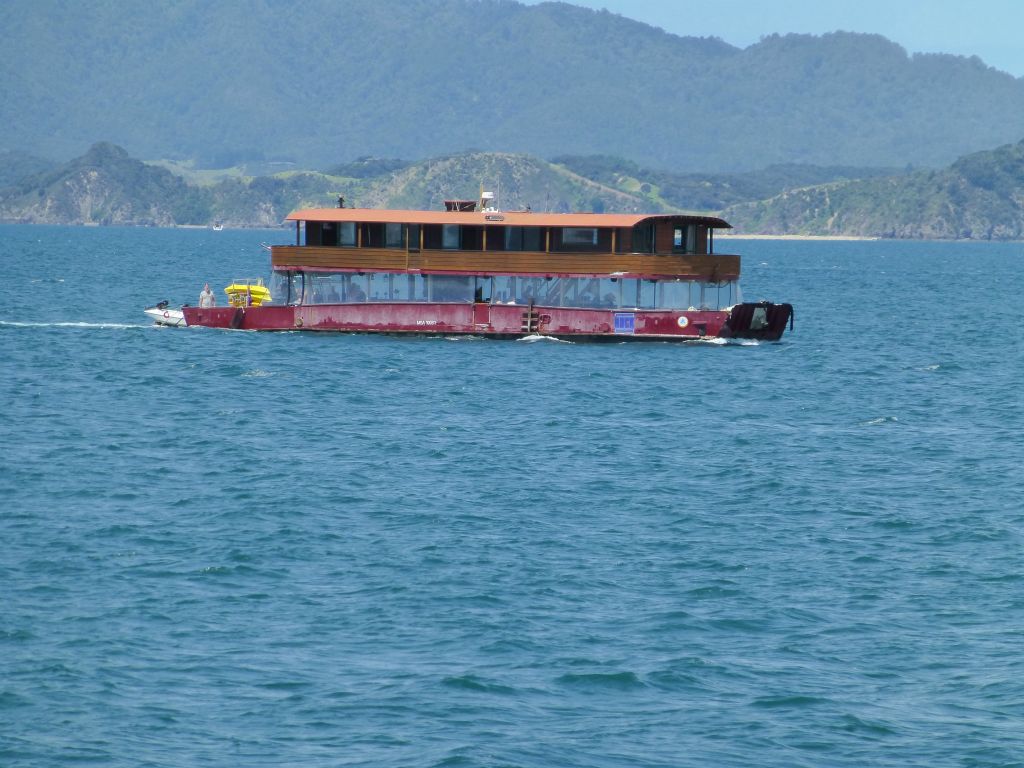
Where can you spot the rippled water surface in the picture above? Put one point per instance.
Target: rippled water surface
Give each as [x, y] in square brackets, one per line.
[238, 549]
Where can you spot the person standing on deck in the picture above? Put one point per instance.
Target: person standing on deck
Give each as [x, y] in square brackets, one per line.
[206, 298]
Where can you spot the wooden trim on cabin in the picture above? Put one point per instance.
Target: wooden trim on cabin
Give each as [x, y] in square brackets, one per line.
[717, 267]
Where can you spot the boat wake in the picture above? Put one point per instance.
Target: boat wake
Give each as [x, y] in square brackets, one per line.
[720, 342]
[104, 326]
[540, 337]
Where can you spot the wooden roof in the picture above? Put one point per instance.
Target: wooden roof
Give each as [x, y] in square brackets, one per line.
[495, 218]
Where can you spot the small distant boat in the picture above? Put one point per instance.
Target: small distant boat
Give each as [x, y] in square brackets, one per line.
[218, 226]
[163, 315]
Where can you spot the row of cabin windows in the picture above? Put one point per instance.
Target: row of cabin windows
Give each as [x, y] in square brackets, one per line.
[639, 239]
[583, 292]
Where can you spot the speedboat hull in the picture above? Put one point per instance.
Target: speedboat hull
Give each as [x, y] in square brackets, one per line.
[174, 318]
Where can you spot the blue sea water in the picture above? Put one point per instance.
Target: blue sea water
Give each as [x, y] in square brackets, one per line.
[237, 549]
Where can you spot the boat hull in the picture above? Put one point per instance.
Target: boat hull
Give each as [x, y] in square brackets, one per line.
[175, 318]
[492, 320]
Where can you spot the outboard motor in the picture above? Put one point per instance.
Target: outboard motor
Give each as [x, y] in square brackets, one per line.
[760, 320]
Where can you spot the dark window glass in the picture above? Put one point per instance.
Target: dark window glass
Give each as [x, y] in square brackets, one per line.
[643, 237]
[394, 235]
[347, 234]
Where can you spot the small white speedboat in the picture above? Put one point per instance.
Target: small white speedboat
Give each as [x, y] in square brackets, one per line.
[164, 315]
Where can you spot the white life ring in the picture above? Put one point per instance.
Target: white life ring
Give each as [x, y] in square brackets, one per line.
[166, 313]
[683, 321]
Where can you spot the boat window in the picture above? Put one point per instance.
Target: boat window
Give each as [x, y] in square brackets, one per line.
[623, 240]
[524, 238]
[315, 288]
[570, 292]
[579, 236]
[562, 291]
[450, 236]
[285, 287]
[530, 289]
[496, 237]
[451, 288]
[609, 290]
[533, 238]
[722, 295]
[329, 235]
[630, 292]
[583, 292]
[402, 287]
[328, 289]
[319, 233]
[394, 236]
[581, 239]
[684, 238]
[373, 235]
[643, 237]
[714, 295]
[505, 289]
[704, 296]
[419, 287]
[355, 288]
[347, 234]
[674, 294]
[379, 286]
[647, 294]
[483, 289]
[472, 238]
[414, 237]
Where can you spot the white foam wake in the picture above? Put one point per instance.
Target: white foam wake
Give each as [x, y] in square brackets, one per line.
[540, 337]
[14, 324]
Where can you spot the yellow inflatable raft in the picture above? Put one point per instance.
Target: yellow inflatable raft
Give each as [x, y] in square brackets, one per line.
[247, 294]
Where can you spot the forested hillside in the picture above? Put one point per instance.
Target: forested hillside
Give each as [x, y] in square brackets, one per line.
[980, 197]
[107, 186]
[709, 191]
[319, 82]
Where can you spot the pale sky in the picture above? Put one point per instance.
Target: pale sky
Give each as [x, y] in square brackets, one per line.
[993, 30]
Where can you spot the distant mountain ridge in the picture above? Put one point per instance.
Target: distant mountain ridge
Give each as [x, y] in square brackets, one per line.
[316, 82]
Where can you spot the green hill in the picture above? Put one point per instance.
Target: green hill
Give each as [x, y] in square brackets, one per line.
[319, 82]
[980, 197]
[708, 191]
[15, 166]
[106, 186]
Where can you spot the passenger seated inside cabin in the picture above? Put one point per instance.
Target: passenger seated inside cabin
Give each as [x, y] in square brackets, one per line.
[609, 300]
[332, 295]
[357, 294]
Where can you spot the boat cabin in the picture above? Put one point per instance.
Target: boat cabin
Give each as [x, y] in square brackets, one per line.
[461, 254]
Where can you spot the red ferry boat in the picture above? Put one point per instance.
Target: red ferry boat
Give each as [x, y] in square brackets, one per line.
[499, 274]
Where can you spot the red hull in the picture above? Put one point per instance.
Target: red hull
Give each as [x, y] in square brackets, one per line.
[498, 320]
